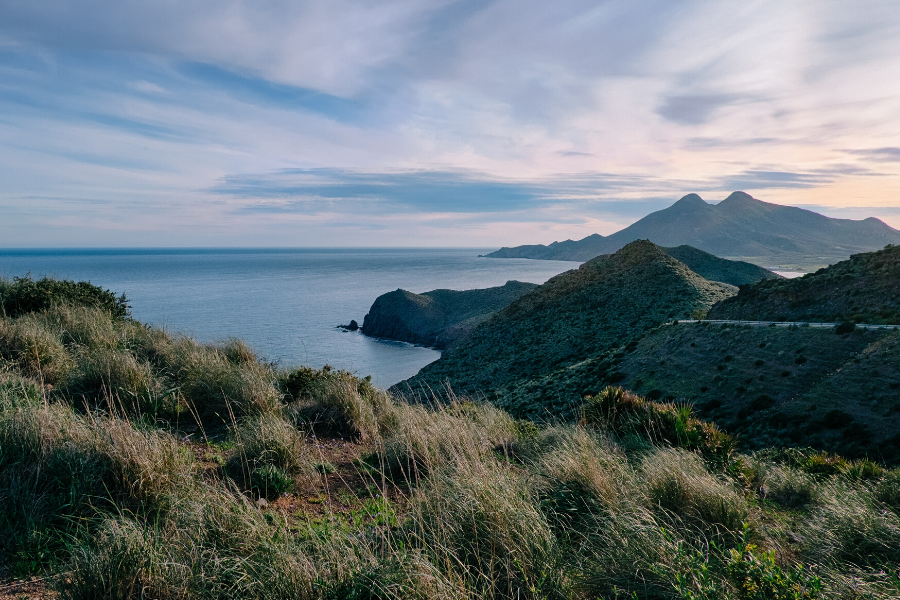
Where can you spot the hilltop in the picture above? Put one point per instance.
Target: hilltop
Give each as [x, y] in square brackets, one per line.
[865, 288]
[439, 317]
[732, 272]
[739, 226]
[573, 316]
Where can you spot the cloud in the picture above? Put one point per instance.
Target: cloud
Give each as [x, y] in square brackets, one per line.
[459, 191]
[692, 110]
[891, 154]
[215, 117]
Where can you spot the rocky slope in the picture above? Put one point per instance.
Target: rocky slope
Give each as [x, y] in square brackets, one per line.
[865, 288]
[739, 226]
[439, 317]
[574, 316]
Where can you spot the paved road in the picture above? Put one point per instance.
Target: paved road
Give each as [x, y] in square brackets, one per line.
[785, 324]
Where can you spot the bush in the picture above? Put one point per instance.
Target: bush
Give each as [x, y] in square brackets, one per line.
[24, 295]
[844, 327]
[624, 413]
[271, 454]
[338, 402]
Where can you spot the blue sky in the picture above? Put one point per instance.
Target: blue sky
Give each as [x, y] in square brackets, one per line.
[468, 123]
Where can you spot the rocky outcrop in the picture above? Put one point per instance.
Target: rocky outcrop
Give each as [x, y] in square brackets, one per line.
[437, 318]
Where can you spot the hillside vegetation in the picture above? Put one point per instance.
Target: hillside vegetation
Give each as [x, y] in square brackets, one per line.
[774, 386]
[138, 464]
[575, 316]
[440, 317]
[732, 272]
[738, 227]
[863, 289]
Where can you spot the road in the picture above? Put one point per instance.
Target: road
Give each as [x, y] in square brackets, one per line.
[783, 324]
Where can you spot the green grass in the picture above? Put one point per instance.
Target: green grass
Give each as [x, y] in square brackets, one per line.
[139, 472]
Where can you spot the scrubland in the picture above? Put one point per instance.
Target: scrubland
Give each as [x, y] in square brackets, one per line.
[137, 463]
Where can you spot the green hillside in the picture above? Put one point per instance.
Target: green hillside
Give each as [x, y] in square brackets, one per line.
[574, 316]
[775, 386]
[708, 266]
[864, 289]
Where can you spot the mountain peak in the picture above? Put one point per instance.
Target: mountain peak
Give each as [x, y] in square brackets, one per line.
[691, 201]
[738, 198]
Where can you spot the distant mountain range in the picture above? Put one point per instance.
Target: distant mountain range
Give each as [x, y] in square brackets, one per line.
[739, 226]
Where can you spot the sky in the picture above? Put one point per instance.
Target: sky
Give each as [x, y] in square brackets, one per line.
[476, 123]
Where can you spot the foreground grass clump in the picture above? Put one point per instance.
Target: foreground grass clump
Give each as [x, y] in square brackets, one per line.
[628, 415]
[150, 465]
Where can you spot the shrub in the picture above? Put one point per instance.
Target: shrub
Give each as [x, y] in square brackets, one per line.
[624, 413]
[24, 295]
[758, 577]
[844, 327]
[338, 402]
[271, 454]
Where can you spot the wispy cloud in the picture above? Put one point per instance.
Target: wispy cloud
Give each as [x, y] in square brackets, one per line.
[236, 121]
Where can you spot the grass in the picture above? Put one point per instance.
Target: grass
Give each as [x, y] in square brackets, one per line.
[134, 463]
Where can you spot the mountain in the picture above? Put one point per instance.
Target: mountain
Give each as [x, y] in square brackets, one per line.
[577, 315]
[439, 317]
[739, 226]
[865, 288]
[732, 272]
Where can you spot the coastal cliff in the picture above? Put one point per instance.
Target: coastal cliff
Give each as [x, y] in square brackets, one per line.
[439, 317]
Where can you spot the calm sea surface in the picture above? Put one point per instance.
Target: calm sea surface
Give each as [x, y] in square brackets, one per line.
[284, 303]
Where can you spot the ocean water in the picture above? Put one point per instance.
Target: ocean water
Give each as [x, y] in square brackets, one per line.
[286, 303]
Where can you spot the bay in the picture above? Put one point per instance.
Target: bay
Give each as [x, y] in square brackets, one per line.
[285, 303]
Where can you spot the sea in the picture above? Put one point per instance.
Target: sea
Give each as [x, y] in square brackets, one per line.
[285, 303]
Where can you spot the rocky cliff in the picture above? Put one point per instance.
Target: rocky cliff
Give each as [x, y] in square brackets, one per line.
[437, 318]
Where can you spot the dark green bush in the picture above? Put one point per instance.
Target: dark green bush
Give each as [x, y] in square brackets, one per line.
[625, 413]
[24, 295]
